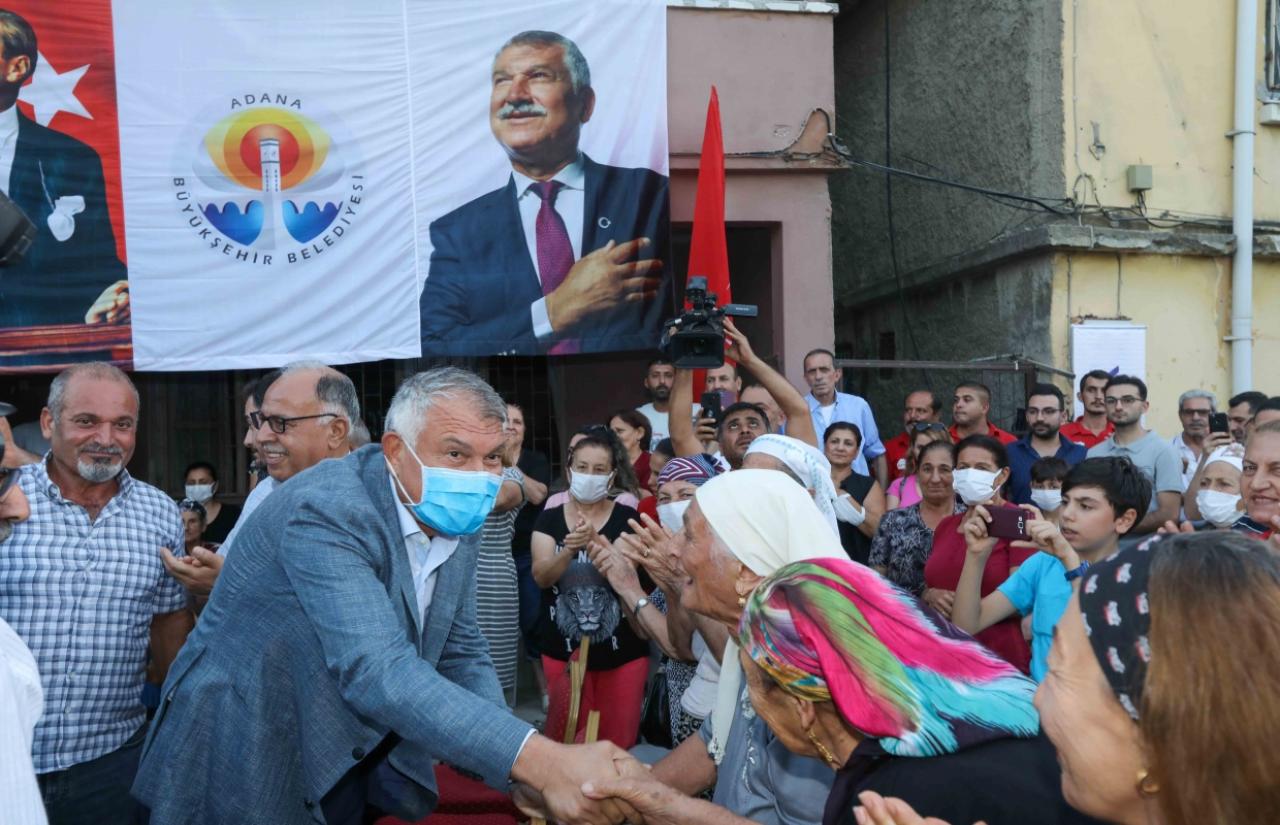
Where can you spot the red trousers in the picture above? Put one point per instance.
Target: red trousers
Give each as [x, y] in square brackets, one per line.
[618, 694]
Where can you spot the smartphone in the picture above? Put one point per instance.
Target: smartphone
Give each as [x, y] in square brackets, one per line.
[1218, 423]
[711, 406]
[1007, 523]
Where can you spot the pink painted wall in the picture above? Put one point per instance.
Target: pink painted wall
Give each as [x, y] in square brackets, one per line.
[770, 70]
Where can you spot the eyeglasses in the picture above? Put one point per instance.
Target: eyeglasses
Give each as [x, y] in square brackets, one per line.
[1124, 400]
[1196, 413]
[278, 423]
[8, 477]
[926, 426]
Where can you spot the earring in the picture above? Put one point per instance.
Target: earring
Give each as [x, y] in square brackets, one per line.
[742, 601]
[823, 751]
[1147, 784]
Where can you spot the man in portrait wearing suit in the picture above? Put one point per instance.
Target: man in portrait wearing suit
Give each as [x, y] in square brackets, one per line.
[71, 274]
[568, 256]
[339, 656]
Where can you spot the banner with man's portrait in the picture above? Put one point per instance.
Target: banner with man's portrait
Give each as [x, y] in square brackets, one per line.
[541, 160]
[67, 297]
[329, 180]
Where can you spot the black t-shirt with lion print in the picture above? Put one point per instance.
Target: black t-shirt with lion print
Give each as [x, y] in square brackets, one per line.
[583, 594]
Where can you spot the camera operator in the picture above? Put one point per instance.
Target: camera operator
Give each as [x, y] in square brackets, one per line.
[747, 420]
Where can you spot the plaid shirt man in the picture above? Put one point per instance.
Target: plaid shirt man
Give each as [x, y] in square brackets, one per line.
[82, 594]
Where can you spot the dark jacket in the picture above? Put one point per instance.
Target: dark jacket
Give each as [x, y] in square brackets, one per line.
[482, 278]
[309, 657]
[57, 281]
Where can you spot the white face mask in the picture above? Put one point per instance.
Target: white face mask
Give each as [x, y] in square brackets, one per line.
[974, 486]
[672, 515]
[1219, 509]
[200, 493]
[1047, 500]
[588, 488]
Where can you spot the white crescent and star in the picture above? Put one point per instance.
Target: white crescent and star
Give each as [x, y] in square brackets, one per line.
[51, 92]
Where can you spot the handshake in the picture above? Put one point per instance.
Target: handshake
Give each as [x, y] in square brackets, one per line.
[599, 784]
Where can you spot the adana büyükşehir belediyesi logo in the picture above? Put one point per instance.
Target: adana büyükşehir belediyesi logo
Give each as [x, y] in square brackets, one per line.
[269, 184]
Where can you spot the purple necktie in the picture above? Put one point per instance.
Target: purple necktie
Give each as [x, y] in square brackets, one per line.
[555, 253]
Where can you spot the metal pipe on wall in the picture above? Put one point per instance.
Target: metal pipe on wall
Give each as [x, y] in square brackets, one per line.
[1242, 135]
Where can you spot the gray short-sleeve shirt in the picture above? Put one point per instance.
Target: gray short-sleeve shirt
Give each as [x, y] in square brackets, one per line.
[1151, 454]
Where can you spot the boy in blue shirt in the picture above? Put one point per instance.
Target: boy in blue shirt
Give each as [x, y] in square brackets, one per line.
[1102, 499]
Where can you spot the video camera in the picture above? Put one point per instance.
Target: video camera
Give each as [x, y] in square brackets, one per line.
[695, 340]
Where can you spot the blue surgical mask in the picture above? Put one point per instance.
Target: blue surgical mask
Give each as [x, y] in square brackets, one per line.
[454, 502]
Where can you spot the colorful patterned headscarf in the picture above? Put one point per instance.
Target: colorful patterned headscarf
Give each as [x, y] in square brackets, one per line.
[834, 630]
[695, 469]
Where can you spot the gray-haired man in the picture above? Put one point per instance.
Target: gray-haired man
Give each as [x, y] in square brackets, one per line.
[566, 256]
[340, 658]
[306, 416]
[1194, 409]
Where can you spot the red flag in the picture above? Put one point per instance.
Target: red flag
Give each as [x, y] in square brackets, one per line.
[708, 249]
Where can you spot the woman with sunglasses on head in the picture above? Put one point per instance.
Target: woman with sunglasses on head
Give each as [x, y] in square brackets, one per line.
[902, 544]
[904, 491]
[577, 600]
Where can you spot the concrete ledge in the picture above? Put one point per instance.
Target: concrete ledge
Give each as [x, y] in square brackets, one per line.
[1061, 237]
[795, 6]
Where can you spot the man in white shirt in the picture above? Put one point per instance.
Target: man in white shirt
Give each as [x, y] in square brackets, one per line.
[21, 696]
[1194, 409]
[659, 375]
[305, 417]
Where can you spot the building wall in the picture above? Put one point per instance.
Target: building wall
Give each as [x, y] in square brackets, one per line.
[1185, 303]
[1005, 310]
[771, 70]
[1156, 76]
[975, 95]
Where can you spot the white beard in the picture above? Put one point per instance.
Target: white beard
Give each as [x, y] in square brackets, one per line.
[96, 473]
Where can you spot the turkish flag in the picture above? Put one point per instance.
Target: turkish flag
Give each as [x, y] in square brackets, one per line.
[73, 89]
[708, 249]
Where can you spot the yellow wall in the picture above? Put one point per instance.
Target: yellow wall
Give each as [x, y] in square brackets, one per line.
[1184, 303]
[1157, 76]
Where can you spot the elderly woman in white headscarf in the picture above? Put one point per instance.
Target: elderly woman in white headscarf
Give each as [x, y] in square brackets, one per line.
[1214, 491]
[741, 527]
[808, 467]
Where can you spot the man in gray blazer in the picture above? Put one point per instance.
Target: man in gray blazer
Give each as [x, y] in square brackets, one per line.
[339, 656]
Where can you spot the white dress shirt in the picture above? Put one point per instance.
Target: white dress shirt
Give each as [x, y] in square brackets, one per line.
[8, 144]
[259, 494]
[569, 204]
[21, 703]
[426, 554]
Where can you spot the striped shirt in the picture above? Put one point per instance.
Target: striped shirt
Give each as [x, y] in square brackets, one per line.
[497, 600]
[81, 594]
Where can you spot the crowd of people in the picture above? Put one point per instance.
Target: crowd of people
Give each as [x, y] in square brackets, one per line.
[812, 623]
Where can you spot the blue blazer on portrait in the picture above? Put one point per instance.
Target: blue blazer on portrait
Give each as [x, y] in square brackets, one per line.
[309, 655]
[482, 278]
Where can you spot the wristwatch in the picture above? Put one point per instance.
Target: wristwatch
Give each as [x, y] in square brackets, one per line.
[644, 600]
[1078, 572]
